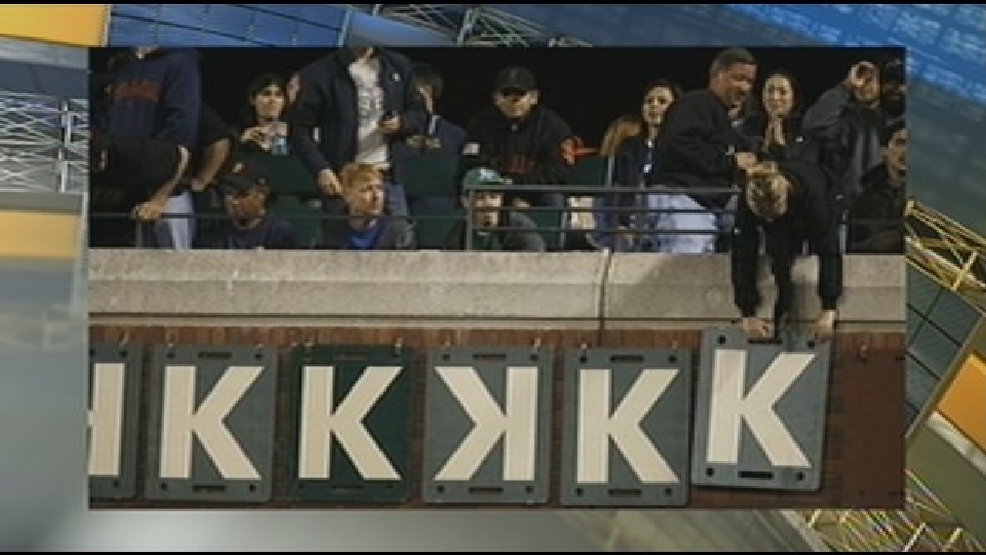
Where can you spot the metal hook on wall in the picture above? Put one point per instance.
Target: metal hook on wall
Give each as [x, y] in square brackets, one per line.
[864, 352]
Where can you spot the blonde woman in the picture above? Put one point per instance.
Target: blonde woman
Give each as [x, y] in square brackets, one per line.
[788, 204]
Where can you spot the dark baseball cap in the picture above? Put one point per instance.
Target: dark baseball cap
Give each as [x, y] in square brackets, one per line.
[244, 176]
[515, 77]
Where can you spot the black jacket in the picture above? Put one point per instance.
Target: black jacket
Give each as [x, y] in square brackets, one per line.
[327, 101]
[876, 219]
[812, 216]
[695, 147]
[849, 136]
[538, 150]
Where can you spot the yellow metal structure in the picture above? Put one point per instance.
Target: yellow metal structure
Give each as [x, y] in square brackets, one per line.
[66, 24]
[954, 257]
[947, 252]
[924, 525]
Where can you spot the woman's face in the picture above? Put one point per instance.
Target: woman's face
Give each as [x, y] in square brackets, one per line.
[655, 103]
[778, 96]
[269, 102]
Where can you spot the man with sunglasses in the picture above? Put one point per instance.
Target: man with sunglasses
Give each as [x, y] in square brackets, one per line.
[521, 140]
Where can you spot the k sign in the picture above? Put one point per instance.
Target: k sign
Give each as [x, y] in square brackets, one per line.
[211, 424]
[626, 426]
[487, 425]
[351, 424]
[760, 412]
[114, 417]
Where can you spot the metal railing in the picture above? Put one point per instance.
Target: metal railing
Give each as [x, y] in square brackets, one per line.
[639, 213]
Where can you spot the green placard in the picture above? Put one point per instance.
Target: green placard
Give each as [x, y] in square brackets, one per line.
[349, 434]
[114, 418]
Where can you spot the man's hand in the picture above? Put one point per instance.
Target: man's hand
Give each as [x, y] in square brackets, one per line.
[824, 327]
[328, 183]
[254, 135]
[756, 328]
[390, 125]
[860, 74]
[745, 160]
[149, 211]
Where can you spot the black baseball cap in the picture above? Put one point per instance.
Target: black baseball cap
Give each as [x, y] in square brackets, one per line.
[515, 78]
[244, 176]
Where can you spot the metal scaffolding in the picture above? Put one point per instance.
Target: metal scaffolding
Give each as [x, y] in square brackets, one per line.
[924, 525]
[43, 143]
[44, 148]
[947, 252]
[471, 24]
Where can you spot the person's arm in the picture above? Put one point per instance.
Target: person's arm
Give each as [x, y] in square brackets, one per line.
[626, 173]
[181, 102]
[153, 207]
[830, 278]
[744, 261]
[827, 110]
[306, 116]
[214, 157]
[405, 239]
[414, 117]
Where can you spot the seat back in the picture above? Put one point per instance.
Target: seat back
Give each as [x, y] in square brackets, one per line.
[430, 173]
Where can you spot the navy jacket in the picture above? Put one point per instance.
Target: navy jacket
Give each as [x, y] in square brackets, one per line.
[158, 97]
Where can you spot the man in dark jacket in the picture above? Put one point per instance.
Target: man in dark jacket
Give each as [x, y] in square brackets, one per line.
[352, 106]
[789, 203]
[876, 219]
[522, 140]
[698, 148]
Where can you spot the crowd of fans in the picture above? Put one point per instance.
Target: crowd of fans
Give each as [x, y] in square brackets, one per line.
[741, 166]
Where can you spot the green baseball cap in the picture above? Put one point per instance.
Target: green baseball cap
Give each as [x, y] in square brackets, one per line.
[483, 176]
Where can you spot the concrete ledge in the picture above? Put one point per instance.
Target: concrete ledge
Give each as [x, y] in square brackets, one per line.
[648, 287]
[343, 284]
[460, 286]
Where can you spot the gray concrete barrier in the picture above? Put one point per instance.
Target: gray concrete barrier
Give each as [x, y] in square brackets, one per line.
[524, 290]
